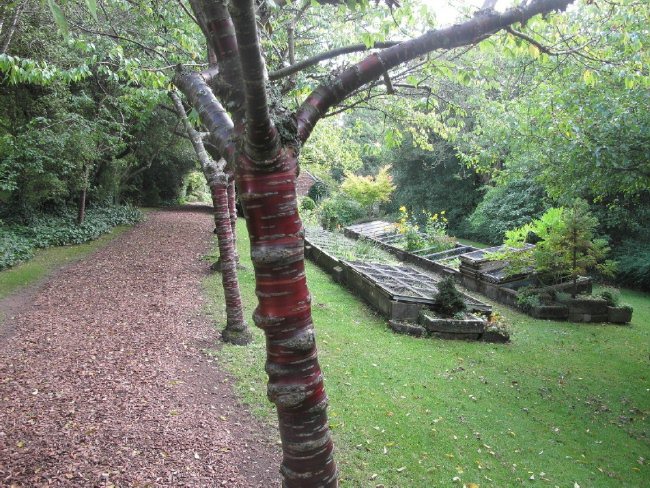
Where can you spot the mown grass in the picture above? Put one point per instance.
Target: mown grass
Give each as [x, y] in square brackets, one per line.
[45, 261]
[562, 404]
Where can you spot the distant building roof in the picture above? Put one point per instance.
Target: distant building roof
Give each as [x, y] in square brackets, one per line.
[304, 182]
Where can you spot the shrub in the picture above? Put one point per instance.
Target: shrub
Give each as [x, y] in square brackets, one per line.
[369, 191]
[14, 249]
[504, 208]
[527, 299]
[449, 301]
[566, 245]
[339, 211]
[318, 191]
[611, 295]
[307, 203]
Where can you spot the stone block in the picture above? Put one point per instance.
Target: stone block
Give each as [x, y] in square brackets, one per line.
[619, 315]
[408, 328]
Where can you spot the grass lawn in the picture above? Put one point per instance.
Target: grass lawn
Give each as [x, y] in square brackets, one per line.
[562, 404]
[45, 261]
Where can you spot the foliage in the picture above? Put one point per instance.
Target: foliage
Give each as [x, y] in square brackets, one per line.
[449, 301]
[427, 179]
[18, 241]
[196, 188]
[566, 245]
[611, 295]
[505, 207]
[633, 264]
[433, 235]
[528, 299]
[369, 191]
[339, 211]
[318, 191]
[307, 203]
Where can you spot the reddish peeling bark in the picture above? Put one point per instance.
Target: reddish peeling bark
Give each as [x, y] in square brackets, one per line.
[284, 314]
[232, 207]
[236, 331]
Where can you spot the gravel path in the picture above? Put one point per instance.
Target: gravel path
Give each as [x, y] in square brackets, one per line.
[102, 379]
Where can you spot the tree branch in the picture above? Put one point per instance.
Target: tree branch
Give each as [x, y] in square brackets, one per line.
[325, 96]
[212, 114]
[262, 142]
[333, 53]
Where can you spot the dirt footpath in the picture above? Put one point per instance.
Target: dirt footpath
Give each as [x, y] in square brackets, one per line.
[102, 379]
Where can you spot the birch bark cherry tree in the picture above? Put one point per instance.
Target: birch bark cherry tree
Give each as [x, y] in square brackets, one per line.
[262, 139]
[221, 186]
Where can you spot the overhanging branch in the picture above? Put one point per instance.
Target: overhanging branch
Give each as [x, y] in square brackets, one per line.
[486, 23]
[333, 53]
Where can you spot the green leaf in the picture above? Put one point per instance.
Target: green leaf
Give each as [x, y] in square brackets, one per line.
[59, 18]
[92, 6]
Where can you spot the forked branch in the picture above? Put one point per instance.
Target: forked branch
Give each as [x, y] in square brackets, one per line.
[371, 68]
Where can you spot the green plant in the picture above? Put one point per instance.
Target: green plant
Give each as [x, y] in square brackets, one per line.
[433, 236]
[18, 241]
[633, 264]
[566, 245]
[611, 295]
[369, 191]
[449, 300]
[527, 299]
[339, 211]
[307, 203]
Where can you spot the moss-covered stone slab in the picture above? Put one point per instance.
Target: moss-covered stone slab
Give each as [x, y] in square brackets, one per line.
[468, 325]
[619, 315]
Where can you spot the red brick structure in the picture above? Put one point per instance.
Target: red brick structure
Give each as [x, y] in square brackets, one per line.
[304, 182]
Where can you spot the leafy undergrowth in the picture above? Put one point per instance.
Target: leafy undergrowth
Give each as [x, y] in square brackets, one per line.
[47, 260]
[564, 404]
[18, 242]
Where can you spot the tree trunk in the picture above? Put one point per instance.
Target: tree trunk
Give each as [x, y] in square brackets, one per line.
[232, 207]
[236, 331]
[284, 314]
[4, 47]
[81, 208]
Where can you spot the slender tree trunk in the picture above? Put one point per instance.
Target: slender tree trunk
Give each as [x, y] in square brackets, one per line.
[284, 314]
[81, 208]
[232, 207]
[11, 30]
[236, 330]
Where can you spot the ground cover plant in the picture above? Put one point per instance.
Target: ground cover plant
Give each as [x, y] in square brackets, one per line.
[18, 242]
[564, 404]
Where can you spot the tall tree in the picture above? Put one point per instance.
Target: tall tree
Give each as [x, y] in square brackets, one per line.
[220, 182]
[253, 130]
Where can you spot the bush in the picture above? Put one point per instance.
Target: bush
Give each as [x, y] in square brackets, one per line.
[318, 191]
[307, 203]
[449, 301]
[369, 191]
[504, 208]
[611, 295]
[527, 299]
[339, 211]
